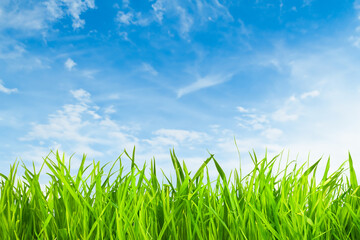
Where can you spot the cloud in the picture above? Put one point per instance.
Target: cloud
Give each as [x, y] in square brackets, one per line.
[11, 49]
[16, 57]
[125, 36]
[282, 115]
[203, 82]
[32, 18]
[132, 18]
[328, 125]
[179, 15]
[89, 73]
[272, 133]
[186, 21]
[124, 18]
[311, 94]
[21, 16]
[126, 3]
[79, 127]
[75, 8]
[3, 89]
[307, 3]
[81, 95]
[146, 67]
[69, 64]
[82, 128]
[243, 29]
[189, 12]
[164, 9]
[110, 110]
[242, 110]
[253, 121]
[174, 137]
[72, 8]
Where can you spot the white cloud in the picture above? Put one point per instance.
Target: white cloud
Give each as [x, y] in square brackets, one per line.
[16, 57]
[126, 3]
[272, 133]
[243, 29]
[186, 21]
[174, 137]
[292, 98]
[253, 121]
[75, 8]
[17, 17]
[11, 49]
[64, 124]
[69, 64]
[357, 4]
[355, 37]
[159, 10]
[184, 13]
[146, 67]
[110, 110]
[329, 125]
[32, 18]
[125, 36]
[54, 9]
[242, 110]
[81, 95]
[307, 3]
[89, 73]
[311, 94]
[281, 115]
[124, 18]
[203, 82]
[3, 89]
[132, 17]
[80, 128]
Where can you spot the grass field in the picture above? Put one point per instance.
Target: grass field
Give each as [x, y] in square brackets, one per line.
[267, 203]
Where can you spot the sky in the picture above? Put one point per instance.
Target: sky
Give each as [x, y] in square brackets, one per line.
[98, 77]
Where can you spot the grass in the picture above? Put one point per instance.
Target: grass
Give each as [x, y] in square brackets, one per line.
[265, 204]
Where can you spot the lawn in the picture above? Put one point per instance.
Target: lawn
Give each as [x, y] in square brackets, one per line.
[141, 203]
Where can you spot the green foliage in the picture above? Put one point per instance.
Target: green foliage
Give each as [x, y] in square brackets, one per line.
[265, 204]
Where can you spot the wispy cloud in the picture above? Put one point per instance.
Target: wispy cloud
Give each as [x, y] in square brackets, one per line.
[70, 65]
[242, 110]
[79, 127]
[186, 21]
[81, 95]
[3, 89]
[146, 67]
[11, 49]
[311, 94]
[132, 18]
[184, 13]
[288, 111]
[75, 8]
[201, 12]
[272, 133]
[89, 73]
[321, 121]
[39, 16]
[282, 115]
[174, 137]
[124, 18]
[15, 55]
[110, 110]
[21, 16]
[203, 82]
[253, 121]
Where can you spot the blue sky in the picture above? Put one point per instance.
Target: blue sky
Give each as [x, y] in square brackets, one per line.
[95, 77]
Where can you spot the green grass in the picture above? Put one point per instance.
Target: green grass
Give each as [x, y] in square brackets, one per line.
[97, 204]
